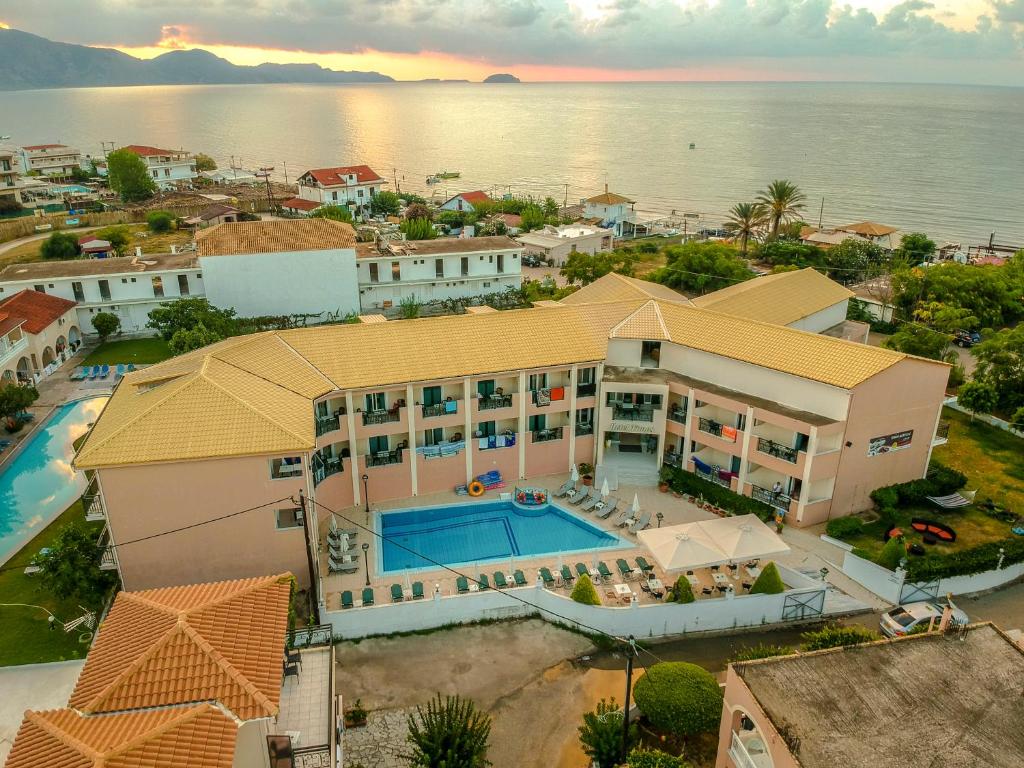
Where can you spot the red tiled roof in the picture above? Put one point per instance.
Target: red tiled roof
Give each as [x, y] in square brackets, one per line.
[299, 204]
[38, 309]
[474, 197]
[143, 151]
[45, 146]
[8, 323]
[511, 219]
[333, 177]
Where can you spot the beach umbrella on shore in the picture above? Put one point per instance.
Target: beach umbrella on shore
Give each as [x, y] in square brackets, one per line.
[605, 490]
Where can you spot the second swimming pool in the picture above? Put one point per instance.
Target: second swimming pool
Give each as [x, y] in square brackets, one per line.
[483, 531]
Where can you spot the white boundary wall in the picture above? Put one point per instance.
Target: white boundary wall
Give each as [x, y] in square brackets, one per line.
[642, 621]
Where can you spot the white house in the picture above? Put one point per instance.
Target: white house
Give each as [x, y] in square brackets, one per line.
[464, 201]
[558, 243]
[431, 270]
[50, 159]
[347, 185]
[9, 187]
[231, 176]
[169, 167]
[609, 210]
[37, 334]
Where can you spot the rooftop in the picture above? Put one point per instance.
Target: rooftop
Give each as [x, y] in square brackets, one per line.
[44, 147]
[120, 265]
[616, 287]
[332, 177]
[609, 198]
[145, 151]
[439, 246]
[933, 699]
[781, 299]
[475, 196]
[299, 204]
[550, 234]
[868, 229]
[246, 237]
[39, 310]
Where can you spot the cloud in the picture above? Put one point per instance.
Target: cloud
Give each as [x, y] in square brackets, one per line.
[517, 13]
[1009, 10]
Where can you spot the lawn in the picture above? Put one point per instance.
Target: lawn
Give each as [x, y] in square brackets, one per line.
[138, 351]
[26, 637]
[149, 242]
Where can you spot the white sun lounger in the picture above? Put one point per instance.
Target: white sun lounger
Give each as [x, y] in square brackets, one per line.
[954, 500]
[643, 522]
[605, 509]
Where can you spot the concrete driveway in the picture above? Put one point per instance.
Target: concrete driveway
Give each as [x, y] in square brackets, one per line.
[33, 686]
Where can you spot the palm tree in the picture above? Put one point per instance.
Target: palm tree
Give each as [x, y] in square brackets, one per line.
[745, 220]
[783, 201]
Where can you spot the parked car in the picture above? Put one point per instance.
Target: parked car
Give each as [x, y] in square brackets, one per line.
[904, 619]
[532, 260]
[964, 338]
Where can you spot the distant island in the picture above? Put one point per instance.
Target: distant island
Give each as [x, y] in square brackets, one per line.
[502, 77]
[28, 61]
[440, 80]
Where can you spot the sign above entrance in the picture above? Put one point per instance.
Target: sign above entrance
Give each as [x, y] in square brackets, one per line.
[633, 427]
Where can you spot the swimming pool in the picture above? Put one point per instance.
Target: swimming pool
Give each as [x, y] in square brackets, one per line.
[70, 189]
[40, 483]
[483, 531]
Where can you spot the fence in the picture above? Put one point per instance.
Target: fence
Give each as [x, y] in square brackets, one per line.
[985, 417]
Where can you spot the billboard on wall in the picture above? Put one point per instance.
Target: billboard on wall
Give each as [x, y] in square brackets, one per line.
[897, 441]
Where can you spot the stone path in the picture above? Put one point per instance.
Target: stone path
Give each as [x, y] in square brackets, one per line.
[380, 744]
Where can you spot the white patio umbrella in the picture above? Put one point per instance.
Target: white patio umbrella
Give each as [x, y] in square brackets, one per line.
[574, 476]
[605, 490]
[745, 537]
[636, 503]
[682, 546]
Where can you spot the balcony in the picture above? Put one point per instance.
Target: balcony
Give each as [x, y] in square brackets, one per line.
[673, 459]
[630, 412]
[584, 429]
[941, 433]
[381, 417]
[769, 497]
[778, 450]
[678, 415]
[383, 459]
[10, 351]
[325, 424]
[586, 390]
[748, 750]
[324, 468]
[494, 402]
[94, 510]
[712, 477]
[304, 733]
[448, 407]
[547, 435]
[712, 427]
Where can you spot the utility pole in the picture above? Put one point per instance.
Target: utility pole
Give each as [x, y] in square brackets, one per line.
[306, 523]
[821, 211]
[285, 171]
[565, 201]
[265, 173]
[630, 653]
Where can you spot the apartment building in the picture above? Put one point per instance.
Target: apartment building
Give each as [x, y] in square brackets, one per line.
[559, 243]
[389, 271]
[352, 185]
[50, 159]
[37, 334]
[629, 380]
[9, 174]
[170, 168]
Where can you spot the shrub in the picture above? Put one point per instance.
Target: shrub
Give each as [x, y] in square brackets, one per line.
[601, 734]
[333, 212]
[160, 221]
[418, 229]
[9, 205]
[965, 562]
[762, 651]
[70, 569]
[584, 591]
[60, 246]
[118, 235]
[892, 553]
[679, 698]
[105, 324]
[450, 732]
[941, 481]
[769, 582]
[842, 527]
[682, 592]
[687, 482]
[834, 636]
[655, 758]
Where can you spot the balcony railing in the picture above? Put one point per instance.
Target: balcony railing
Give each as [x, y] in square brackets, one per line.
[626, 412]
[13, 349]
[677, 415]
[712, 427]
[586, 390]
[94, 510]
[381, 417]
[741, 757]
[941, 432]
[324, 468]
[546, 435]
[673, 459]
[771, 498]
[584, 429]
[325, 424]
[713, 477]
[440, 409]
[383, 458]
[493, 402]
[778, 450]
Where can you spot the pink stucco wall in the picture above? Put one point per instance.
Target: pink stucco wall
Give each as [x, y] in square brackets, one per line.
[440, 474]
[739, 701]
[505, 460]
[393, 481]
[548, 458]
[336, 491]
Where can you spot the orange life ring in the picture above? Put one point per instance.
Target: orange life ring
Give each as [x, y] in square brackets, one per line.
[476, 488]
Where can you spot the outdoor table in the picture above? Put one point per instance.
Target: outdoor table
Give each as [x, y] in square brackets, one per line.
[474, 587]
[694, 581]
[720, 578]
[623, 590]
[655, 585]
[753, 572]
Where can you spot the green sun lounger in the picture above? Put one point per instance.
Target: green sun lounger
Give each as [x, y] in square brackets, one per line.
[644, 565]
[520, 578]
[484, 583]
[346, 599]
[582, 570]
[417, 590]
[368, 596]
[462, 585]
[603, 570]
[396, 593]
[623, 566]
[499, 580]
[567, 576]
[546, 577]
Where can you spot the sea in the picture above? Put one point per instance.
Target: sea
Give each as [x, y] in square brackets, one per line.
[944, 160]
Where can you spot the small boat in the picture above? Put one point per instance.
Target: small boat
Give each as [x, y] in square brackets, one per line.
[692, 145]
[432, 180]
[447, 175]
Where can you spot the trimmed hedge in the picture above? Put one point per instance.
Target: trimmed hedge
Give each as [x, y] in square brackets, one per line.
[841, 527]
[835, 636]
[679, 698]
[966, 562]
[655, 758]
[895, 549]
[584, 591]
[941, 481]
[682, 592]
[681, 481]
[768, 582]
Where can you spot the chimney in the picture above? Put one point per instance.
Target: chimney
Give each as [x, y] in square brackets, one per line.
[138, 251]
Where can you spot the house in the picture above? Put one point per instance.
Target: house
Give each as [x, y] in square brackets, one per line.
[880, 234]
[352, 185]
[232, 175]
[513, 222]
[9, 187]
[50, 159]
[192, 675]
[611, 210]
[877, 297]
[558, 243]
[464, 201]
[170, 168]
[623, 374]
[213, 214]
[94, 247]
[858, 707]
[37, 333]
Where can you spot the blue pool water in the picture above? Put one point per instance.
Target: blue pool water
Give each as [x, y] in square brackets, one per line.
[484, 531]
[40, 483]
[71, 189]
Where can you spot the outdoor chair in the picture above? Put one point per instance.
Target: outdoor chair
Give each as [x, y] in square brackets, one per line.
[603, 570]
[592, 500]
[368, 596]
[567, 577]
[519, 578]
[645, 566]
[131, 367]
[120, 371]
[104, 371]
[499, 580]
[396, 593]
[293, 656]
[624, 570]
[606, 508]
[707, 591]
[290, 670]
[643, 522]
[578, 495]
[95, 372]
[582, 570]
[564, 490]
[484, 583]
[417, 590]
[346, 599]
[462, 585]
[546, 577]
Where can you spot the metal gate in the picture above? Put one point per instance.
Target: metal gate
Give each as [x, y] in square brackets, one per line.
[911, 592]
[803, 606]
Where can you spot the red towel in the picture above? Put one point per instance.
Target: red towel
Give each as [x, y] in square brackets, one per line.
[558, 393]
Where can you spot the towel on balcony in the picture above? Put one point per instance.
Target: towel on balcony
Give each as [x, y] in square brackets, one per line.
[543, 397]
[451, 406]
[483, 444]
[700, 464]
[729, 433]
[557, 393]
[498, 441]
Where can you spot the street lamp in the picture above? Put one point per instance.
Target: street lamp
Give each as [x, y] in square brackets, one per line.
[366, 496]
[366, 562]
[660, 516]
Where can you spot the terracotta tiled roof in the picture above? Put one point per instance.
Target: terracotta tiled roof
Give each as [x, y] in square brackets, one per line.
[609, 198]
[8, 323]
[616, 287]
[40, 310]
[206, 642]
[143, 151]
[333, 177]
[243, 237]
[470, 197]
[39, 147]
[781, 299]
[199, 736]
[300, 204]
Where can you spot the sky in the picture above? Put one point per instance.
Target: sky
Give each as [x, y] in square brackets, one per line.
[949, 41]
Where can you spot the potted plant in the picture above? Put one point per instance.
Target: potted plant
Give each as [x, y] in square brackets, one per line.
[586, 473]
[664, 476]
[355, 716]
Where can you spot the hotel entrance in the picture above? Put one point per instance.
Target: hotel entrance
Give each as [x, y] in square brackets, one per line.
[633, 456]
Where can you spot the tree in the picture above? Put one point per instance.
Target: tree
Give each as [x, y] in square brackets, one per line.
[186, 340]
[894, 551]
[682, 592]
[655, 758]
[333, 212]
[411, 197]
[1017, 420]
[385, 204]
[918, 340]
[205, 163]
[702, 267]
[60, 246]
[532, 217]
[1001, 364]
[835, 636]
[745, 221]
[118, 235]
[420, 211]
[106, 324]
[14, 399]
[945, 318]
[679, 698]
[128, 175]
[991, 293]
[786, 252]
[601, 734]
[783, 201]
[70, 568]
[853, 260]
[550, 207]
[584, 592]
[450, 733]
[977, 397]
[188, 313]
[585, 268]
[768, 582]
[915, 248]
[418, 229]
[160, 221]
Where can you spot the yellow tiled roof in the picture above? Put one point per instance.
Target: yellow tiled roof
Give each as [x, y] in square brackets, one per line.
[646, 323]
[781, 299]
[221, 641]
[234, 238]
[200, 736]
[616, 287]
[609, 198]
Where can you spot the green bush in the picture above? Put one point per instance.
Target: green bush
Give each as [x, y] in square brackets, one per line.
[941, 481]
[966, 562]
[762, 651]
[584, 591]
[60, 246]
[769, 582]
[687, 482]
[679, 698]
[655, 758]
[160, 221]
[834, 636]
[842, 527]
[892, 553]
[601, 733]
[682, 592]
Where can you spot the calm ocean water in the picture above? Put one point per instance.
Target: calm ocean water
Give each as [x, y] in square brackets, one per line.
[946, 160]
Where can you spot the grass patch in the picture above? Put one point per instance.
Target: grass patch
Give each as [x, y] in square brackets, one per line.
[150, 242]
[138, 351]
[992, 459]
[26, 637]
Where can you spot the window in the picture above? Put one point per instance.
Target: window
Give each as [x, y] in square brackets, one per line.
[379, 444]
[289, 518]
[104, 290]
[76, 288]
[334, 195]
[586, 376]
[585, 416]
[359, 193]
[464, 263]
[432, 395]
[158, 286]
[501, 263]
[374, 272]
[376, 401]
[439, 267]
[487, 429]
[538, 422]
[538, 381]
[485, 387]
[124, 280]
[40, 288]
[167, 173]
[650, 354]
[396, 270]
[133, 279]
[433, 436]
[183, 285]
[289, 466]
[487, 285]
[156, 174]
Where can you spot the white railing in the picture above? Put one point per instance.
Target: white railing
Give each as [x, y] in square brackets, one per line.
[738, 753]
[9, 352]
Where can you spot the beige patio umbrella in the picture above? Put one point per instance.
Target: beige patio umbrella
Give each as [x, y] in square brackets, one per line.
[744, 538]
[574, 476]
[605, 490]
[679, 547]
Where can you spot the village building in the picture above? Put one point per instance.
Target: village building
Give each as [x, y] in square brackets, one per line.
[218, 213]
[464, 201]
[351, 185]
[37, 334]
[558, 243]
[95, 248]
[9, 187]
[170, 168]
[49, 159]
[610, 211]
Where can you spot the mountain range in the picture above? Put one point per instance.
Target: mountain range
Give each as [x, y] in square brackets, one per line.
[28, 61]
